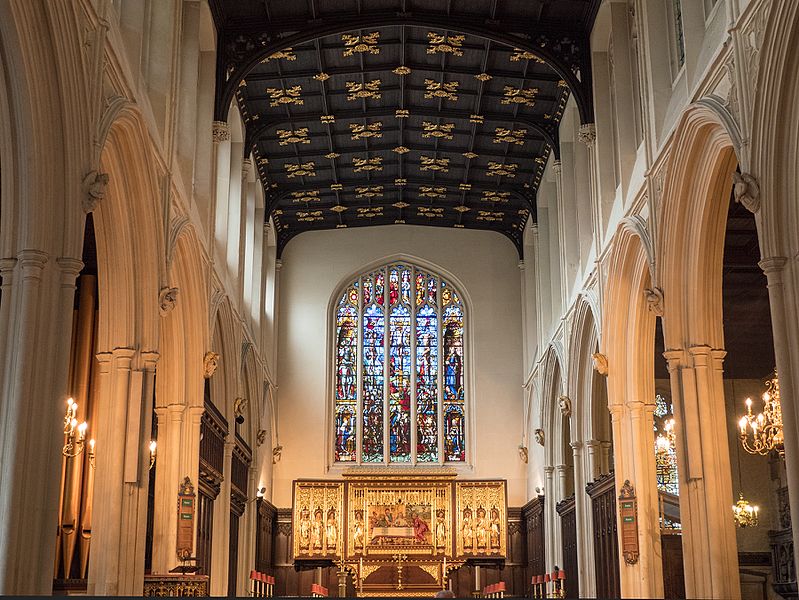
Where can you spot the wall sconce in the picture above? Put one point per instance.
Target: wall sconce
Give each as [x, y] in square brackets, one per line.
[75, 434]
[153, 446]
[91, 453]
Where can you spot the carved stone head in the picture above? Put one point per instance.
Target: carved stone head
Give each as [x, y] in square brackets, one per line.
[210, 363]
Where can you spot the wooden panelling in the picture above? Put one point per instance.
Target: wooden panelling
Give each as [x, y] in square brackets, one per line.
[568, 528]
[602, 492]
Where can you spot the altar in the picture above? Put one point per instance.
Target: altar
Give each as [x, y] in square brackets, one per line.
[398, 533]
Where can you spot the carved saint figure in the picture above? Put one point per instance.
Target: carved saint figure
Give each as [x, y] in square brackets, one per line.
[317, 530]
[441, 529]
[480, 528]
[495, 528]
[466, 529]
[332, 529]
[357, 529]
[305, 528]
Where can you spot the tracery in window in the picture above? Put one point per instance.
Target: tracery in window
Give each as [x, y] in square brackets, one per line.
[393, 328]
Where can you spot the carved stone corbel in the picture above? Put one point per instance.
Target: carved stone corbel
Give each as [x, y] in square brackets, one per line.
[239, 404]
[538, 434]
[210, 363]
[260, 438]
[167, 298]
[600, 363]
[220, 131]
[94, 184]
[746, 191]
[565, 405]
[587, 133]
[523, 453]
[654, 300]
[277, 452]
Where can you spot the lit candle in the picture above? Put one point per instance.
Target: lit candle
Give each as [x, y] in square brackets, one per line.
[742, 425]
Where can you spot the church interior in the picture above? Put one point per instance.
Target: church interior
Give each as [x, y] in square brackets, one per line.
[399, 298]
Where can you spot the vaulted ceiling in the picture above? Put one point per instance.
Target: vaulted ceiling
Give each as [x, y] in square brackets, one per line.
[429, 112]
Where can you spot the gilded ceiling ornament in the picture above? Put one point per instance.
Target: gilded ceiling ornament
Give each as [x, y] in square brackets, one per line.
[401, 149]
[321, 76]
[482, 77]
[562, 83]
[509, 136]
[495, 196]
[746, 191]
[498, 169]
[445, 44]
[462, 209]
[400, 181]
[427, 191]
[360, 165]
[470, 155]
[519, 54]
[309, 215]
[565, 406]
[600, 363]
[307, 169]
[341, 226]
[328, 119]
[429, 163]
[478, 119]
[443, 131]
[654, 300]
[430, 211]
[285, 54]
[361, 43]
[263, 161]
[369, 191]
[308, 196]
[464, 187]
[489, 215]
[336, 186]
[399, 221]
[400, 205]
[513, 95]
[293, 136]
[332, 155]
[210, 363]
[458, 225]
[367, 89]
[278, 96]
[367, 212]
[402, 70]
[167, 298]
[338, 208]
[359, 132]
[402, 113]
[445, 90]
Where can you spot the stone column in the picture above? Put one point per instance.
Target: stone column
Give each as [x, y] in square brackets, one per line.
[595, 466]
[38, 296]
[551, 520]
[710, 553]
[124, 407]
[178, 457]
[221, 540]
[220, 183]
[786, 351]
[585, 529]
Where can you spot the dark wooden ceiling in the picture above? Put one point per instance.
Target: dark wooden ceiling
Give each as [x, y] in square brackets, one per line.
[436, 112]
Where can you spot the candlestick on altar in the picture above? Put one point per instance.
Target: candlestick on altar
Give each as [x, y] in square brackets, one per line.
[444, 574]
[360, 574]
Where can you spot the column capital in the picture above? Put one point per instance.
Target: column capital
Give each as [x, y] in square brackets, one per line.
[675, 358]
[556, 167]
[70, 267]
[32, 263]
[587, 134]
[591, 444]
[772, 265]
[149, 359]
[220, 131]
[549, 470]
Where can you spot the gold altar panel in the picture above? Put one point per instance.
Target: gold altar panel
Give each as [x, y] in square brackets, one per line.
[390, 517]
[481, 519]
[318, 522]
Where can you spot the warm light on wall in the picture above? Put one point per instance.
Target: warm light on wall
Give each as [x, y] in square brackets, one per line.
[75, 434]
[153, 446]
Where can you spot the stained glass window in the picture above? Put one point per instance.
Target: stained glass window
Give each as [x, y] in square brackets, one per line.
[399, 369]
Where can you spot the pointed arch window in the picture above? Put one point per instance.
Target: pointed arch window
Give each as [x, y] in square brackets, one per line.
[399, 366]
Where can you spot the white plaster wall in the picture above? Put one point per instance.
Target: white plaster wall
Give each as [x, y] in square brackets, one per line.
[316, 263]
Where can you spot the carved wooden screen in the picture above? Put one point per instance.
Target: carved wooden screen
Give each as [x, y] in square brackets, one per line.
[533, 518]
[673, 574]
[568, 528]
[239, 467]
[264, 535]
[213, 430]
[606, 542]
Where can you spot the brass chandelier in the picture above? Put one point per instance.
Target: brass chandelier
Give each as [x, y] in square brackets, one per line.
[762, 433]
[745, 514]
